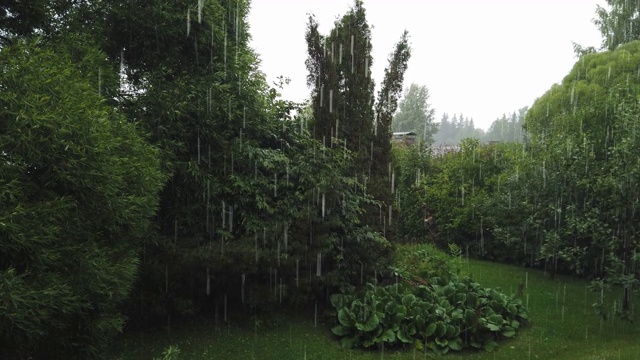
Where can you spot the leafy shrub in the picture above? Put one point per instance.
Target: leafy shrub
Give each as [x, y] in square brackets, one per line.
[426, 261]
[78, 188]
[444, 316]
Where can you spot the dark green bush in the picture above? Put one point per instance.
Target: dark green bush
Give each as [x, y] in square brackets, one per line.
[78, 186]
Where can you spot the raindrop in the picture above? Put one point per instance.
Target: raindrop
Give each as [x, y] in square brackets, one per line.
[224, 217]
[393, 181]
[200, 5]
[332, 51]
[242, 290]
[286, 240]
[208, 283]
[175, 230]
[315, 316]
[323, 205]
[275, 184]
[225, 47]
[188, 21]
[297, 273]
[256, 246]
[319, 265]
[390, 214]
[331, 100]
[225, 307]
[366, 67]
[166, 278]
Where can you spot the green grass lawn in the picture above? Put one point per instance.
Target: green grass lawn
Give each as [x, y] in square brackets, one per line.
[563, 326]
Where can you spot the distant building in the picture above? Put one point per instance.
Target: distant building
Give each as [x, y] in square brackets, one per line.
[404, 138]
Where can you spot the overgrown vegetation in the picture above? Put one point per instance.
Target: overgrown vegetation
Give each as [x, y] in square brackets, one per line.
[147, 169]
[562, 201]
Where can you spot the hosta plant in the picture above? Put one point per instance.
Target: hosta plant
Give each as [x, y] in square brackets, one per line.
[444, 316]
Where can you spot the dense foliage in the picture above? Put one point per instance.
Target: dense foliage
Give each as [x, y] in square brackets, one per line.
[563, 200]
[78, 188]
[253, 210]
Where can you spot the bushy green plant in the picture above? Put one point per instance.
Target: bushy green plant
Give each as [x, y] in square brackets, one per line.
[444, 316]
[424, 261]
[78, 187]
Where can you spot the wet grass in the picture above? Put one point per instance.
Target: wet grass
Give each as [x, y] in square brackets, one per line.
[564, 326]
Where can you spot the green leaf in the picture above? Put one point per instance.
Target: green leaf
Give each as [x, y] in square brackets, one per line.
[430, 330]
[345, 317]
[441, 329]
[442, 342]
[408, 300]
[369, 325]
[403, 336]
[496, 319]
[470, 318]
[390, 307]
[348, 341]
[388, 336]
[340, 330]
[472, 299]
[460, 298]
[455, 344]
[456, 314]
[451, 331]
[401, 311]
[338, 301]
[490, 345]
[445, 304]
[508, 331]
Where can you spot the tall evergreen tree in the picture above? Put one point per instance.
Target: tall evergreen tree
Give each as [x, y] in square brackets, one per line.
[342, 95]
[339, 68]
[386, 105]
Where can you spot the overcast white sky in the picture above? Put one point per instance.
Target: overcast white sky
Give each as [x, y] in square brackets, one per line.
[481, 58]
